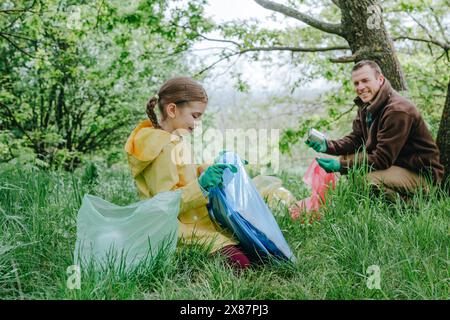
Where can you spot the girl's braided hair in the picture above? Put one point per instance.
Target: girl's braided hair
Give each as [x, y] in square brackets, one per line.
[180, 91]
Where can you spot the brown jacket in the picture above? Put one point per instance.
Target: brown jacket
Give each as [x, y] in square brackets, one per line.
[397, 136]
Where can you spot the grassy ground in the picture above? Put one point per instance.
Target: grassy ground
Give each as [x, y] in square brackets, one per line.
[408, 242]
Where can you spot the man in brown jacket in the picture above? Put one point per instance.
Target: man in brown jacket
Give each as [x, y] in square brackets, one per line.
[400, 150]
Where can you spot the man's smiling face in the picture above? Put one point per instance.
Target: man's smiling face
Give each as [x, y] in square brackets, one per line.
[367, 83]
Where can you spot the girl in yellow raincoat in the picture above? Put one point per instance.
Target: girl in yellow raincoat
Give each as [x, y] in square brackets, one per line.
[153, 162]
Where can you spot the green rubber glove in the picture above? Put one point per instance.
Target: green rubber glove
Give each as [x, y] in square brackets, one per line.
[213, 176]
[329, 164]
[317, 146]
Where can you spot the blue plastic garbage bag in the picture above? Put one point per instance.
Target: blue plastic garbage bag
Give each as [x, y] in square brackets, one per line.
[239, 208]
[125, 236]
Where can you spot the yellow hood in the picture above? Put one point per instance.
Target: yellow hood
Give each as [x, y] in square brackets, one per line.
[145, 143]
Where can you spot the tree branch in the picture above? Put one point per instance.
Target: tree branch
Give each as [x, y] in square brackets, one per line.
[16, 122]
[98, 14]
[94, 142]
[296, 49]
[431, 39]
[18, 36]
[438, 22]
[421, 25]
[445, 46]
[219, 40]
[361, 54]
[350, 109]
[9, 11]
[15, 45]
[290, 12]
[344, 59]
[292, 49]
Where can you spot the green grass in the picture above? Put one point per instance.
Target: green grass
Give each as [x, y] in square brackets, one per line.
[409, 242]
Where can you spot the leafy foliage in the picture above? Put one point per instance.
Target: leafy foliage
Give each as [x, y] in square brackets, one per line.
[76, 74]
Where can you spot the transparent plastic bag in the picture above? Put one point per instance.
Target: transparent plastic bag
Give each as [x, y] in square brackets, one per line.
[239, 208]
[271, 188]
[125, 236]
[320, 181]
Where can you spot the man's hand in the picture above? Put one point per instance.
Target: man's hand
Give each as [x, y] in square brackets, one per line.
[317, 146]
[329, 164]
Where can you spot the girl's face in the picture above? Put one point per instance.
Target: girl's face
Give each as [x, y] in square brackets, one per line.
[184, 118]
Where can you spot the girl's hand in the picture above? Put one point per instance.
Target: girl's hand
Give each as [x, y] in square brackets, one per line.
[213, 176]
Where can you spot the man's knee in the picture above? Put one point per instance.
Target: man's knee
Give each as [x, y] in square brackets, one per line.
[376, 177]
[396, 178]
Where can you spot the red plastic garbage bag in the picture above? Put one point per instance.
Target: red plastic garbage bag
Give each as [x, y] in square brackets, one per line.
[320, 181]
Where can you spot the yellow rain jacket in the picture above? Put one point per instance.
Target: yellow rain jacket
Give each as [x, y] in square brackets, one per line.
[151, 159]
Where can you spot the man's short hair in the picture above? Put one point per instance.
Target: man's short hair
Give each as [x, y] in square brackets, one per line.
[369, 63]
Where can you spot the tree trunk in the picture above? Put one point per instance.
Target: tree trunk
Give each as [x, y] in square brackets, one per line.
[443, 137]
[366, 34]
